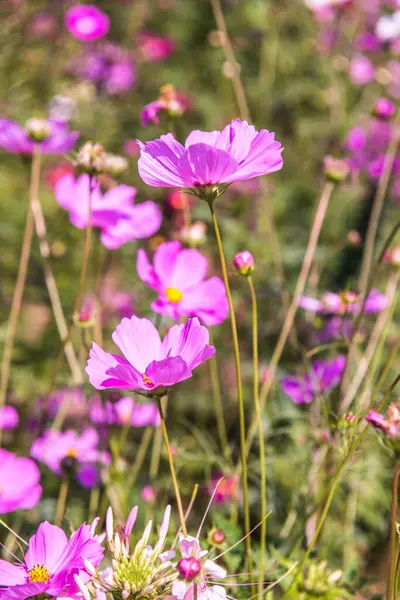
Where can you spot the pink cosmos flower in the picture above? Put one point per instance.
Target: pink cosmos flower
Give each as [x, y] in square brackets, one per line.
[170, 101]
[59, 450]
[114, 212]
[154, 48]
[86, 22]
[15, 139]
[50, 564]
[228, 489]
[124, 412]
[19, 485]
[321, 377]
[149, 363]
[345, 303]
[238, 152]
[9, 418]
[389, 425]
[178, 275]
[120, 78]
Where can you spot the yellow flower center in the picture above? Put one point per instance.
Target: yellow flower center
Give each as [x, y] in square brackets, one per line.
[71, 453]
[39, 574]
[146, 379]
[174, 295]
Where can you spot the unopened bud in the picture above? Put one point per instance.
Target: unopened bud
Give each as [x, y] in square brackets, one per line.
[335, 169]
[216, 537]
[109, 524]
[91, 158]
[384, 109]
[244, 263]
[38, 129]
[189, 567]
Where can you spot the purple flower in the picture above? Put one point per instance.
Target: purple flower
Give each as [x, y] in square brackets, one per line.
[345, 303]
[59, 450]
[136, 414]
[384, 108]
[238, 152]
[361, 70]
[149, 363]
[332, 328]
[244, 262]
[120, 77]
[15, 139]
[9, 418]
[72, 402]
[86, 22]
[149, 113]
[50, 564]
[178, 275]
[114, 212]
[368, 147]
[171, 101]
[389, 426]
[19, 485]
[323, 375]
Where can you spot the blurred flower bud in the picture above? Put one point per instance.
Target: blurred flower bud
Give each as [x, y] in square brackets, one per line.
[335, 169]
[244, 262]
[148, 494]
[178, 200]
[189, 567]
[354, 238]
[384, 109]
[115, 165]
[392, 257]
[87, 314]
[91, 158]
[38, 129]
[216, 537]
[195, 235]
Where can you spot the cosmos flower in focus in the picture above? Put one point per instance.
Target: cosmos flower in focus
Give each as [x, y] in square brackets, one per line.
[69, 451]
[178, 275]
[52, 137]
[114, 212]
[50, 563]
[86, 22]
[19, 485]
[149, 363]
[169, 101]
[322, 376]
[208, 159]
[332, 303]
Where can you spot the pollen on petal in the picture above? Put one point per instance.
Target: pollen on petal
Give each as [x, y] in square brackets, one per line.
[174, 295]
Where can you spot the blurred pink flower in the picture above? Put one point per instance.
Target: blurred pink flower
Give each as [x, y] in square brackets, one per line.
[120, 78]
[131, 148]
[86, 22]
[178, 275]
[362, 70]
[16, 139]
[149, 363]
[228, 489]
[19, 484]
[170, 101]
[114, 212]
[148, 494]
[154, 48]
[344, 303]
[137, 414]
[321, 377]
[9, 417]
[236, 153]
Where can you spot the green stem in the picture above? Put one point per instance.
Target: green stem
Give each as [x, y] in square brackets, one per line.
[257, 409]
[219, 412]
[172, 468]
[393, 534]
[61, 502]
[86, 251]
[239, 387]
[396, 576]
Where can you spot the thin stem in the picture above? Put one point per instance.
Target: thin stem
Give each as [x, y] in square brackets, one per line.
[20, 283]
[352, 448]
[219, 412]
[61, 502]
[172, 468]
[377, 209]
[263, 478]
[322, 207]
[86, 251]
[396, 576]
[239, 385]
[393, 534]
[140, 456]
[40, 226]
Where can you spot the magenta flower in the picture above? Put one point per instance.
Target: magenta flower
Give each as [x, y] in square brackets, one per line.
[178, 275]
[120, 78]
[9, 418]
[389, 425]
[86, 22]
[114, 212]
[15, 139]
[170, 101]
[155, 48]
[149, 363]
[228, 489]
[17, 492]
[50, 564]
[244, 262]
[236, 153]
[368, 146]
[124, 412]
[323, 375]
[361, 70]
[65, 450]
[345, 303]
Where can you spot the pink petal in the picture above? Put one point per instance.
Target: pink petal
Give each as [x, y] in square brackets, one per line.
[11, 574]
[189, 269]
[168, 371]
[98, 365]
[206, 165]
[190, 341]
[139, 341]
[164, 260]
[146, 271]
[159, 162]
[207, 301]
[46, 546]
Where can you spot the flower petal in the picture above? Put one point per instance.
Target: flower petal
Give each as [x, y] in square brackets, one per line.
[139, 341]
[159, 162]
[168, 371]
[46, 546]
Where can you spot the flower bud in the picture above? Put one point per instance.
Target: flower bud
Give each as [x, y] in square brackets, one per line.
[392, 257]
[335, 169]
[91, 158]
[189, 567]
[195, 234]
[115, 165]
[216, 537]
[384, 109]
[38, 129]
[354, 238]
[244, 263]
